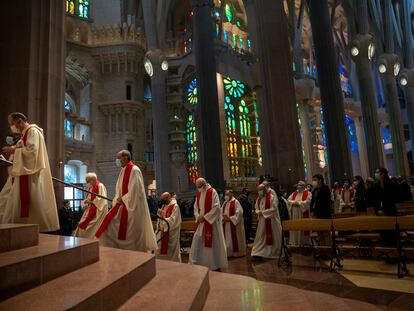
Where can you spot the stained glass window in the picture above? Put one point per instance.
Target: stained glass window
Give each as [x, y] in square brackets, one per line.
[68, 106]
[68, 127]
[225, 36]
[70, 7]
[353, 142]
[192, 152]
[83, 8]
[234, 87]
[192, 92]
[229, 13]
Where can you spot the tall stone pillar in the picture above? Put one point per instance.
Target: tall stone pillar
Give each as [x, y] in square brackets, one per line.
[388, 66]
[363, 158]
[307, 143]
[362, 51]
[32, 64]
[340, 165]
[280, 136]
[211, 161]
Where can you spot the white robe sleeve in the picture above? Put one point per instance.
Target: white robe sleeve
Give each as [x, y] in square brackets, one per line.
[196, 213]
[290, 203]
[257, 207]
[305, 205]
[29, 159]
[133, 186]
[274, 201]
[99, 202]
[174, 220]
[238, 215]
[215, 213]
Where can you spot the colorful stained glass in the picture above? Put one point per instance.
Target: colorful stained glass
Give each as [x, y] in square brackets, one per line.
[68, 106]
[68, 128]
[70, 7]
[192, 151]
[192, 92]
[353, 142]
[229, 13]
[234, 87]
[83, 8]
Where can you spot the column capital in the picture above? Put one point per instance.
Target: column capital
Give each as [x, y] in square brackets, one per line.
[201, 3]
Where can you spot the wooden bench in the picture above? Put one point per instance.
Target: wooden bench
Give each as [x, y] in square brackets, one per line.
[357, 223]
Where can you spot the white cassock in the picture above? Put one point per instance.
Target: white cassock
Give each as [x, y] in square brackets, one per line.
[169, 246]
[128, 225]
[5, 192]
[234, 230]
[347, 199]
[214, 255]
[304, 199]
[94, 213]
[268, 241]
[336, 199]
[31, 199]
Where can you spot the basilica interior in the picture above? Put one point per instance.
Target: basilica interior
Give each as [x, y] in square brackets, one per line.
[230, 90]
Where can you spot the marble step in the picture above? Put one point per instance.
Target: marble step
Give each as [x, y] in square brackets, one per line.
[16, 236]
[104, 285]
[236, 292]
[175, 287]
[54, 256]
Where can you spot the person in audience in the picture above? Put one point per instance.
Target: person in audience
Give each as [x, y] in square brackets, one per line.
[66, 219]
[247, 212]
[168, 235]
[370, 193]
[299, 203]
[336, 197]
[267, 242]
[153, 203]
[359, 196]
[233, 226]
[95, 208]
[347, 195]
[385, 199]
[405, 189]
[320, 206]
[208, 247]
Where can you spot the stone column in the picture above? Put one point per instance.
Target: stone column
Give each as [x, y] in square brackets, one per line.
[307, 143]
[280, 136]
[363, 158]
[340, 164]
[32, 64]
[211, 160]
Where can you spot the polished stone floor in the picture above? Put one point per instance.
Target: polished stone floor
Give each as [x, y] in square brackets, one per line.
[309, 274]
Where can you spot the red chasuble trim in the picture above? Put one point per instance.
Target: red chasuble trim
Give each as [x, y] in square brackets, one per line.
[24, 182]
[233, 228]
[305, 214]
[166, 236]
[92, 208]
[208, 228]
[268, 222]
[114, 210]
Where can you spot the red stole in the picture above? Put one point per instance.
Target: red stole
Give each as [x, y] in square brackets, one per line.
[305, 213]
[24, 182]
[114, 210]
[351, 194]
[92, 208]
[232, 212]
[166, 236]
[208, 205]
[268, 222]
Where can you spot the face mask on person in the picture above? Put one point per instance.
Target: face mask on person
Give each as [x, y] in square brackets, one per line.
[227, 198]
[10, 140]
[200, 189]
[346, 185]
[14, 129]
[355, 184]
[300, 188]
[314, 183]
[377, 176]
[118, 162]
[261, 193]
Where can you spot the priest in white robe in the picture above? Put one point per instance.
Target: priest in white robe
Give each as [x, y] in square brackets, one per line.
[31, 199]
[128, 224]
[208, 247]
[299, 207]
[347, 194]
[233, 226]
[268, 238]
[95, 209]
[168, 236]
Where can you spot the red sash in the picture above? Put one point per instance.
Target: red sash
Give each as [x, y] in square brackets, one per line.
[351, 194]
[208, 228]
[166, 236]
[305, 214]
[24, 182]
[268, 222]
[114, 210]
[232, 212]
[92, 208]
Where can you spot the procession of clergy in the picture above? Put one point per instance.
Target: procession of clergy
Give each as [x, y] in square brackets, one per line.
[28, 197]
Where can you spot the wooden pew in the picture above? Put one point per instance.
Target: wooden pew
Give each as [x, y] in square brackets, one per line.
[357, 223]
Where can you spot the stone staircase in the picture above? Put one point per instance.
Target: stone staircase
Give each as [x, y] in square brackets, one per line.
[48, 272]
